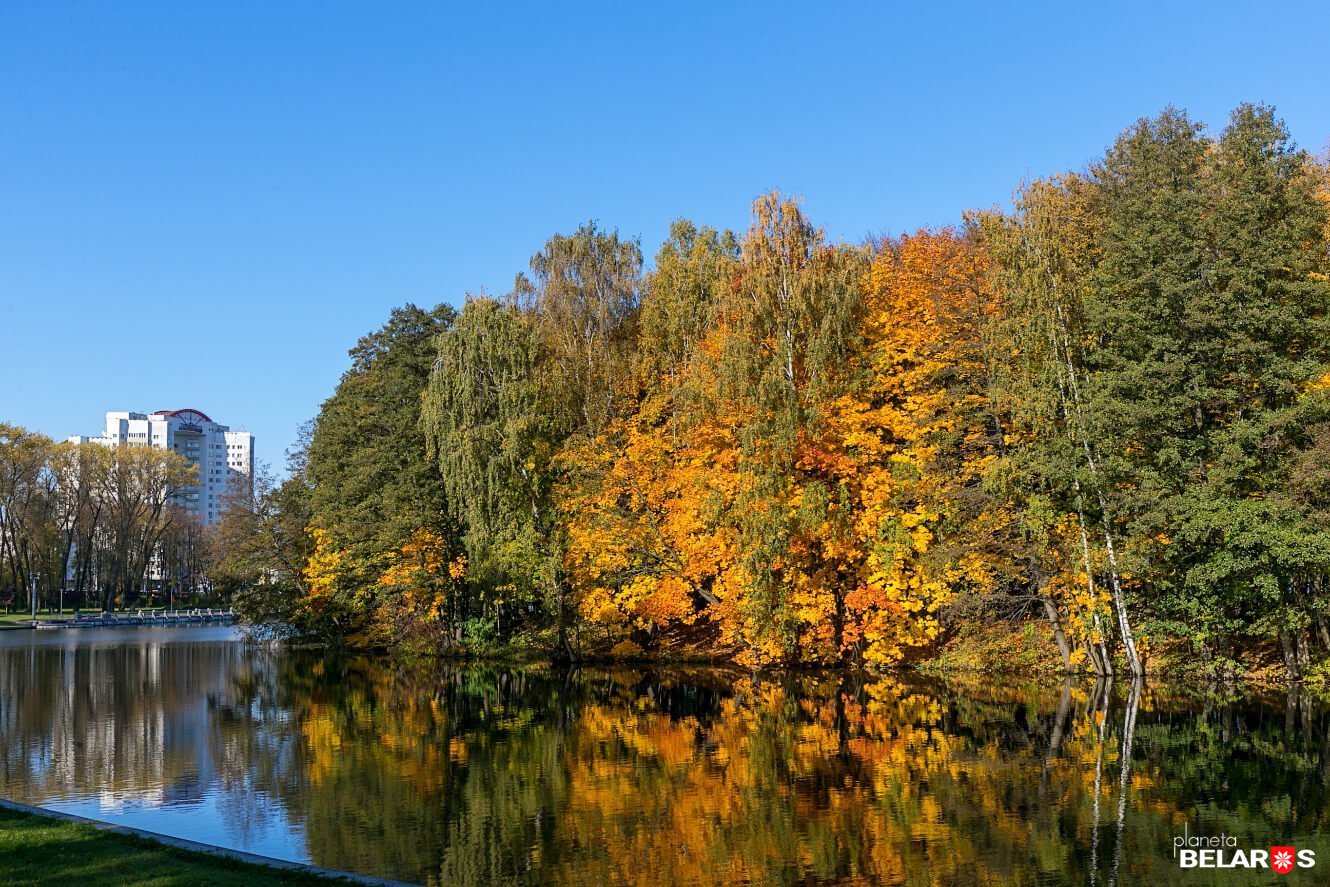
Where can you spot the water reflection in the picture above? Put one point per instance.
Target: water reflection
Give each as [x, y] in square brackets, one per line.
[475, 775]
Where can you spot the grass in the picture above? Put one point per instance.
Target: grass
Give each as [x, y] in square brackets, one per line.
[36, 850]
[21, 618]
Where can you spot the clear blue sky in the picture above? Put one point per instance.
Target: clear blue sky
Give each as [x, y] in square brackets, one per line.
[206, 204]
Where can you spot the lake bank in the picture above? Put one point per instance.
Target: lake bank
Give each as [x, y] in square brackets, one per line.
[1020, 651]
[126, 619]
[41, 847]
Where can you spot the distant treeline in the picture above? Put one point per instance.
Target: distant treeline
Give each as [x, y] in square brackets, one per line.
[1108, 410]
[86, 525]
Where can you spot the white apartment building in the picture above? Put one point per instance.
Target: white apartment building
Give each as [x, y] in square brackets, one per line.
[224, 458]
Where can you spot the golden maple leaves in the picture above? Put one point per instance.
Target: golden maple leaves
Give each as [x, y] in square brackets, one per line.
[915, 436]
[644, 547]
[650, 507]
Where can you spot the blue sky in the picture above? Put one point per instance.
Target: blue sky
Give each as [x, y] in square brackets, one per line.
[206, 204]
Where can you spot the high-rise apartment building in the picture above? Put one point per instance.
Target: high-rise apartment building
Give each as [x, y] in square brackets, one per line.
[224, 458]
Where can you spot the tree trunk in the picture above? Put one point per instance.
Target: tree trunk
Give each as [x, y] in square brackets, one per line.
[565, 652]
[1291, 666]
[1059, 635]
[1098, 657]
[1115, 584]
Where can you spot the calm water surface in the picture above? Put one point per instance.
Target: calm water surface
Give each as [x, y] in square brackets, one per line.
[453, 775]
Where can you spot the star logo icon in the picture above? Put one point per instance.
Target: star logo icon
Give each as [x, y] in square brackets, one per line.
[1281, 859]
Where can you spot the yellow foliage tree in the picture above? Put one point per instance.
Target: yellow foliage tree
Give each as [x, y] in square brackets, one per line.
[915, 443]
[420, 581]
[645, 549]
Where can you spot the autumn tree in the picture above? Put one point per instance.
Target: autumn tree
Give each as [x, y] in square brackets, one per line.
[642, 502]
[78, 475]
[788, 326]
[24, 513]
[913, 446]
[260, 548]
[1105, 408]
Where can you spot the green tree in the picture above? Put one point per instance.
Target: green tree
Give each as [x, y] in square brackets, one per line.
[679, 303]
[493, 446]
[371, 482]
[1205, 320]
[1044, 258]
[1259, 339]
[583, 298]
[260, 547]
[511, 384]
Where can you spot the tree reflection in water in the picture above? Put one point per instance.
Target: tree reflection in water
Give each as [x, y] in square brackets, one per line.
[466, 774]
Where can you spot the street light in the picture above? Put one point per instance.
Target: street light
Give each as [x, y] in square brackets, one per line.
[35, 577]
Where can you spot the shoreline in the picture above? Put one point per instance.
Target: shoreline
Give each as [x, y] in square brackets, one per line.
[152, 619]
[197, 848]
[959, 658]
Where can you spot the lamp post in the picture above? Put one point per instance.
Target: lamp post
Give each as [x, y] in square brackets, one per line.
[35, 577]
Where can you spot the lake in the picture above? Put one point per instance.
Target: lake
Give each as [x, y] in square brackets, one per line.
[487, 774]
